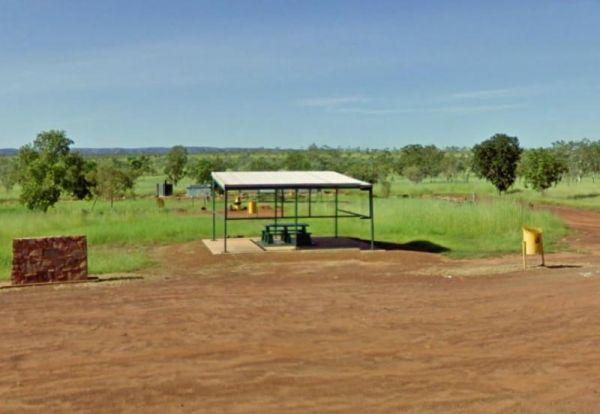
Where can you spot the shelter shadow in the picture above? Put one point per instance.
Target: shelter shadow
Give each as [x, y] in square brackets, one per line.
[424, 246]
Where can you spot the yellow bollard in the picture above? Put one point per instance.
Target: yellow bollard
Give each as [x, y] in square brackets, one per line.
[252, 209]
[533, 243]
[237, 204]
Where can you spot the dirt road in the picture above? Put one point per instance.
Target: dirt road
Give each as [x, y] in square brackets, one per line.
[313, 332]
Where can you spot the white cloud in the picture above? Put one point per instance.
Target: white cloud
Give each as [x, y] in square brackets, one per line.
[490, 94]
[331, 102]
[450, 109]
[371, 111]
[459, 103]
[485, 94]
[476, 108]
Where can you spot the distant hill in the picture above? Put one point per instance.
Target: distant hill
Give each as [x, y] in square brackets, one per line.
[146, 150]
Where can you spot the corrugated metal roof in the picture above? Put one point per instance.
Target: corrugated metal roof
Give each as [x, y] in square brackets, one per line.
[286, 179]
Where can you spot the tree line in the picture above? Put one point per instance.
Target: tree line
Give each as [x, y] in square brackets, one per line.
[48, 168]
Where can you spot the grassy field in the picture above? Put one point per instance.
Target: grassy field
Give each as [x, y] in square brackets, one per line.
[119, 238]
[584, 194]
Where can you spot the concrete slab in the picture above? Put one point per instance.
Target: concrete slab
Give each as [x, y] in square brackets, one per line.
[275, 247]
[234, 246]
[252, 245]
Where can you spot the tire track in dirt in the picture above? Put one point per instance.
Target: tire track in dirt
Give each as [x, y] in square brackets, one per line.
[586, 226]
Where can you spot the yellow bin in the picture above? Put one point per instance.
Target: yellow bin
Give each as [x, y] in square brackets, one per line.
[533, 243]
[532, 239]
[252, 207]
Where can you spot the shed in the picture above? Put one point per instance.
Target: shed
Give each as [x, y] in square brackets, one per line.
[198, 190]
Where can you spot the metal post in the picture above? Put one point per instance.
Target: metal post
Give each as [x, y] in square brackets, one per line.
[276, 207]
[225, 221]
[283, 203]
[296, 209]
[309, 202]
[336, 213]
[214, 215]
[372, 218]
[542, 250]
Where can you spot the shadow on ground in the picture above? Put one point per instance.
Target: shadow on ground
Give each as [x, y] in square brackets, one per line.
[583, 196]
[413, 246]
[362, 244]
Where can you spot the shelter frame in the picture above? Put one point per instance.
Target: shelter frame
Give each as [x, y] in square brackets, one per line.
[334, 183]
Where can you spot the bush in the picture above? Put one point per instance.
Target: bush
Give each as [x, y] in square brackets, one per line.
[414, 173]
[496, 160]
[542, 168]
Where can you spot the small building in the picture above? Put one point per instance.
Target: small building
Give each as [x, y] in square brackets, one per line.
[164, 189]
[198, 190]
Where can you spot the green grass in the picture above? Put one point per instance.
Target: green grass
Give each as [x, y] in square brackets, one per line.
[584, 194]
[487, 228]
[146, 185]
[119, 238]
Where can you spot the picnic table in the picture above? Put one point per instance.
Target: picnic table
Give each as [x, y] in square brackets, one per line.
[289, 233]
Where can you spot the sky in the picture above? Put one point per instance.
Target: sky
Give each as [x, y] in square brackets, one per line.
[378, 74]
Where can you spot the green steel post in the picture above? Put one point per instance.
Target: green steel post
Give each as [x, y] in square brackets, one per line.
[214, 216]
[225, 221]
[336, 213]
[372, 218]
[296, 209]
[275, 206]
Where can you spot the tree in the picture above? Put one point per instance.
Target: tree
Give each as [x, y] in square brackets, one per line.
[496, 160]
[414, 173]
[176, 162]
[364, 169]
[75, 179]
[112, 179]
[200, 169]
[542, 168]
[325, 158]
[466, 163]
[262, 163]
[8, 173]
[427, 159]
[450, 166]
[296, 161]
[590, 157]
[385, 188]
[383, 162]
[373, 167]
[140, 165]
[47, 167]
[581, 157]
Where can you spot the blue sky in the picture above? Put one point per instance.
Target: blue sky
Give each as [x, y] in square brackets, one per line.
[290, 73]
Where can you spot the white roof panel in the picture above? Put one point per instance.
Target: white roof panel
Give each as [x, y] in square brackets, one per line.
[286, 179]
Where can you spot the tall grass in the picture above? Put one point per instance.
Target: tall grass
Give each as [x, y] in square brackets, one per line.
[467, 229]
[119, 238]
[583, 194]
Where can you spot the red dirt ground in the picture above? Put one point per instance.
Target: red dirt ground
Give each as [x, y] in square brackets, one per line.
[313, 332]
